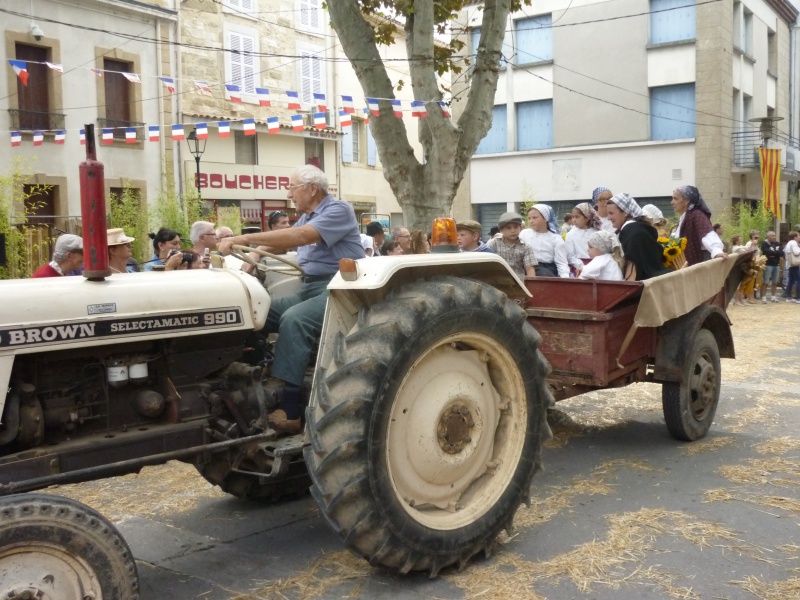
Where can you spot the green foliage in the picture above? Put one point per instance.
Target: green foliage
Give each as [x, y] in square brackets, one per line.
[527, 200]
[129, 212]
[230, 216]
[793, 210]
[174, 213]
[742, 217]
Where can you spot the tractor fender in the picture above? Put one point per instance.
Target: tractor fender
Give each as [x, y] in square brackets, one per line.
[675, 338]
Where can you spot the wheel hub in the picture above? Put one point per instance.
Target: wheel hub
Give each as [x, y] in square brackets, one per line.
[454, 430]
[703, 388]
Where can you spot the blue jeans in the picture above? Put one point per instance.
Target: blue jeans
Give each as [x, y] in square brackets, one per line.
[771, 274]
[298, 321]
[794, 282]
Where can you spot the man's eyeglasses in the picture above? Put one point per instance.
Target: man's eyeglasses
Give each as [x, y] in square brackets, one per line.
[294, 187]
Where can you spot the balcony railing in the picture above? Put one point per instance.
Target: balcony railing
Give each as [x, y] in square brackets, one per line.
[32, 120]
[120, 126]
[746, 144]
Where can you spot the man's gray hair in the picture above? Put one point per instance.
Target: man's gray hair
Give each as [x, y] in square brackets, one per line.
[223, 229]
[198, 229]
[396, 231]
[310, 174]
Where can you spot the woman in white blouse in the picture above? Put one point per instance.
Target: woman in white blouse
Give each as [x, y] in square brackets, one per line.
[548, 245]
[585, 221]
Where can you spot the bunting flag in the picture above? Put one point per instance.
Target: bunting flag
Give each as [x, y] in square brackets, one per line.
[347, 105]
[397, 107]
[177, 132]
[108, 135]
[61, 135]
[297, 122]
[154, 133]
[322, 104]
[418, 109]
[224, 128]
[21, 69]
[272, 125]
[366, 116]
[263, 97]
[82, 137]
[132, 77]
[344, 119]
[38, 138]
[16, 138]
[130, 135]
[319, 120]
[372, 104]
[249, 126]
[97, 72]
[233, 91]
[771, 179]
[294, 101]
[55, 66]
[202, 88]
[169, 83]
[445, 109]
[201, 130]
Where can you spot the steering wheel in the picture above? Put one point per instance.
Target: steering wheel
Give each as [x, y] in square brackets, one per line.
[243, 253]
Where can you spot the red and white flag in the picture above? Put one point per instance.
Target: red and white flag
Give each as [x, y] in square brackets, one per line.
[366, 116]
[263, 97]
[21, 69]
[249, 126]
[169, 83]
[16, 138]
[322, 104]
[224, 128]
[234, 93]
[177, 132]
[418, 109]
[154, 133]
[82, 137]
[294, 100]
[202, 131]
[61, 135]
[347, 105]
[372, 104]
[445, 108]
[202, 88]
[132, 77]
[344, 119]
[319, 120]
[97, 72]
[108, 135]
[55, 66]
[130, 135]
[38, 138]
[297, 122]
[272, 125]
[397, 108]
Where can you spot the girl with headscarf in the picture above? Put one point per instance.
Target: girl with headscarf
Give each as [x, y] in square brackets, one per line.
[695, 225]
[585, 221]
[548, 245]
[600, 198]
[607, 258]
[639, 239]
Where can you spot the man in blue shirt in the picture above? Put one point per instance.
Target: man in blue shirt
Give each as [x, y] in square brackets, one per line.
[326, 232]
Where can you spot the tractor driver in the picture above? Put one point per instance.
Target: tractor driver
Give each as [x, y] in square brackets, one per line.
[326, 232]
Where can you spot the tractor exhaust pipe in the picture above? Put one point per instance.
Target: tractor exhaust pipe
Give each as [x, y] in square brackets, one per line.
[93, 212]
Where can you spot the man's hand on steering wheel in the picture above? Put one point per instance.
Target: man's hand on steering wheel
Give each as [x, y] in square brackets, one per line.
[224, 245]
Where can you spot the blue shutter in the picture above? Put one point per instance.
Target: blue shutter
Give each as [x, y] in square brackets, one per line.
[535, 125]
[476, 40]
[534, 39]
[347, 145]
[372, 151]
[672, 113]
[672, 21]
[495, 140]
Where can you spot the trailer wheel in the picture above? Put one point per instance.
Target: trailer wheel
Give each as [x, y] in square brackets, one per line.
[427, 425]
[56, 548]
[689, 406]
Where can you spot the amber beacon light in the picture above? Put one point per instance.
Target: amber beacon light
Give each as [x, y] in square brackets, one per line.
[444, 237]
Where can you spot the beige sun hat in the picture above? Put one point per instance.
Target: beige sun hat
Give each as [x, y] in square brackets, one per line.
[117, 236]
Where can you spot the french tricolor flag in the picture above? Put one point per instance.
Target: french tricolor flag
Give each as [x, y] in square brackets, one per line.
[272, 125]
[372, 104]
[366, 116]
[233, 92]
[418, 109]
[38, 138]
[294, 100]
[130, 135]
[177, 132]
[224, 128]
[55, 66]
[297, 122]
[132, 77]
[169, 83]
[322, 104]
[249, 126]
[82, 137]
[347, 105]
[397, 107]
[203, 88]
[16, 138]
[202, 131]
[344, 119]
[154, 133]
[319, 120]
[97, 72]
[21, 69]
[263, 97]
[61, 135]
[108, 135]
[445, 108]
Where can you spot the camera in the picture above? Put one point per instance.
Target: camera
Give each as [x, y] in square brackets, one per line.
[36, 32]
[187, 256]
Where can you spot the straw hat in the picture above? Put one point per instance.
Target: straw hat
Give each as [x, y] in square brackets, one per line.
[117, 237]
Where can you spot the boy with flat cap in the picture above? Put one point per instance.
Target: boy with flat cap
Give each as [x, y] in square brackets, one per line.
[513, 250]
[469, 237]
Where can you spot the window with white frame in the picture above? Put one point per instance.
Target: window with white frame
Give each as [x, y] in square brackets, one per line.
[311, 74]
[672, 112]
[241, 60]
[356, 140]
[534, 39]
[496, 139]
[672, 21]
[246, 7]
[309, 15]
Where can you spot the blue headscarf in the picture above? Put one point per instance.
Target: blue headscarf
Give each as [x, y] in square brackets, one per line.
[596, 193]
[547, 212]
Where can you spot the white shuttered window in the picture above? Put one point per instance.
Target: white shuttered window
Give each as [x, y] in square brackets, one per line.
[242, 61]
[310, 15]
[239, 6]
[312, 76]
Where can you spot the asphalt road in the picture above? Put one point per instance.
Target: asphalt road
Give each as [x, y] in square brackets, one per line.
[622, 511]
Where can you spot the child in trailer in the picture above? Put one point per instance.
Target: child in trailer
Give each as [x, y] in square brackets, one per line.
[607, 259]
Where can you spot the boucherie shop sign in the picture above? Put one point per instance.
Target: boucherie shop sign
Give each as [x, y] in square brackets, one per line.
[239, 182]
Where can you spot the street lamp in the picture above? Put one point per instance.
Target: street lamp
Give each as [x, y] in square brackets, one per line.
[197, 151]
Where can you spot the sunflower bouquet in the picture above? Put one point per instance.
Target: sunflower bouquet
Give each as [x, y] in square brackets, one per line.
[673, 255]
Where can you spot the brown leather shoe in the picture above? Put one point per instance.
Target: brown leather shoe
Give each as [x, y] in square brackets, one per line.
[279, 422]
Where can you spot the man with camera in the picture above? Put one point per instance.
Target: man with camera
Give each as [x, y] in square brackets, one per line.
[326, 232]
